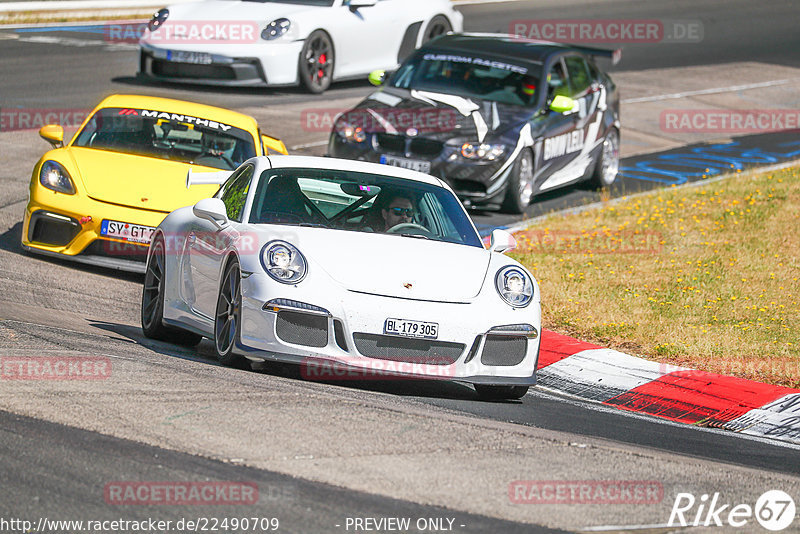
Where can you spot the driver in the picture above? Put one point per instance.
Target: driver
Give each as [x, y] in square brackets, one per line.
[399, 210]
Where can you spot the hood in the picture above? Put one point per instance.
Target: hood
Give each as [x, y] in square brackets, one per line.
[383, 264]
[437, 116]
[216, 10]
[137, 181]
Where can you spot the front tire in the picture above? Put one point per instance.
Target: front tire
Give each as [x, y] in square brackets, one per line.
[607, 168]
[227, 321]
[493, 393]
[317, 61]
[153, 302]
[519, 190]
[439, 25]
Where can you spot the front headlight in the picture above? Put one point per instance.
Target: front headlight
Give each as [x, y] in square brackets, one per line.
[514, 286]
[275, 29]
[482, 151]
[53, 176]
[159, 17]
[353, 134]
[283, 262]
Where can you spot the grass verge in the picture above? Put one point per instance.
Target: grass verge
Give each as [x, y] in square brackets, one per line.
[704, 277]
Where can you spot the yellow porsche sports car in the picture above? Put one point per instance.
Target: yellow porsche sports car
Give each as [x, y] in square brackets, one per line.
[99, 198]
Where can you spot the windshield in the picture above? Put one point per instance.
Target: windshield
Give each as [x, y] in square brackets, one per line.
[469, 76]
[361, 202]
[169, 136]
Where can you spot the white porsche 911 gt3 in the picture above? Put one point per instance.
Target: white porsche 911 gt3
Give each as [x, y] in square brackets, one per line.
[288, 42]
[358, 265]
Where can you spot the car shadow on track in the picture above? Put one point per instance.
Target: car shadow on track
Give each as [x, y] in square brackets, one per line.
[204, 353]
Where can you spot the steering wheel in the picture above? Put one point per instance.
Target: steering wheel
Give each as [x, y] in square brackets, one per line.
[409, 228]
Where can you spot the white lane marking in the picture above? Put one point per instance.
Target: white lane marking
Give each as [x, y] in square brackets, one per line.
[615, 528]
[730, 89]
[79, 43]
[8, 36]
[309, 145]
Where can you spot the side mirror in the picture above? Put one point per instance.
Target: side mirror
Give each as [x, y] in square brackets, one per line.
[53, 134]
[502, 241]
[273, 145]
[355, 4]
[377, 77]
[212, 209]
[562, 104]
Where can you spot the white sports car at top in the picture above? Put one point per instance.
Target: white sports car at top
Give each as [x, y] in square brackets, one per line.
[369, 268]
[288, 42]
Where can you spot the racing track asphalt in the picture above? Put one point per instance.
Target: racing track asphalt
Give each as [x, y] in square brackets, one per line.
[61, 71]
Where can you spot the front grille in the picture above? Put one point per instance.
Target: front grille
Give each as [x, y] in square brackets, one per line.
[302, 329]
[504, 350]
[52, 231]
[121, 251]
[467, 186]
[172, 69]
[391, 142]
[401, 349]
[417, 146]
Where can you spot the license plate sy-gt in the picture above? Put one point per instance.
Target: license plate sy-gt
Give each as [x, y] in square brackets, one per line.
[410, 328]
[137, 233]
[411, 164]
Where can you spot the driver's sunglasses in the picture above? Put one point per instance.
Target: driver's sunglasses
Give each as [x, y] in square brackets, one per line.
[399, 212]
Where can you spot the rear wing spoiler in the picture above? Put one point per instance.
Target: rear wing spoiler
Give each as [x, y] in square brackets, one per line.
[206, 178]
[273, 144]
[613, 55]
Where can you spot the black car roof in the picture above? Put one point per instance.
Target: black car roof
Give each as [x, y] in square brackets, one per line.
[510, 47]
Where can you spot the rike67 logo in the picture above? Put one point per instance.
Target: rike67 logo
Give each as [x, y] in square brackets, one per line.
[774, 510]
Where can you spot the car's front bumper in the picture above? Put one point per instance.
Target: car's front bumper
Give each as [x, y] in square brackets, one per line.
[345, 330]
[254, 65]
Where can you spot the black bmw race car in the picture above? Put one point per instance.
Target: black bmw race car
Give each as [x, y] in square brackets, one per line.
[499, 118]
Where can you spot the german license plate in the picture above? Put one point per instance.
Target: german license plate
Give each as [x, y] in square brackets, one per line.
[180, 56]
[407, 328]
[136, 233]
[411, 164]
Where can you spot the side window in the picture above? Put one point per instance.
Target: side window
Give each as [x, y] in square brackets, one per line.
[579, 77]
[234, 194]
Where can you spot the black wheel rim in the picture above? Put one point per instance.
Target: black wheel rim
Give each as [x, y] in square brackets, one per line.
[153, 284]
[227, 320]
[436, 29]
[319, 61]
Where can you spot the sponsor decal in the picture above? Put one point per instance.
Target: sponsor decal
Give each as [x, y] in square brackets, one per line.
[561, 145]
[476, 61]
[176, 117]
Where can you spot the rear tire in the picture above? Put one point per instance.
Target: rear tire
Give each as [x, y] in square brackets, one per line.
[519, 189]
[317, 62]
[228, 318]
[439, 25]
[607, 167]
[492, 393]
[153, 302]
